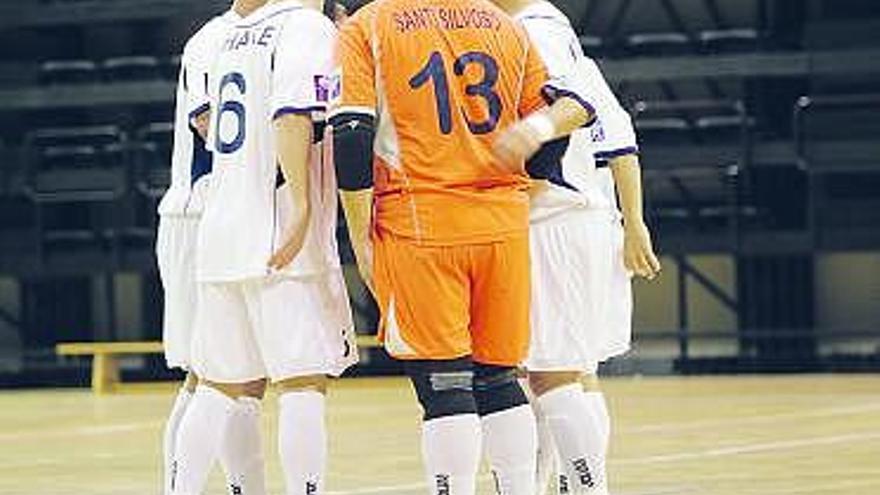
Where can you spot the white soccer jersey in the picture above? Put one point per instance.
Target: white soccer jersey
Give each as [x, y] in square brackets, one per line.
[578, 183]
[274, 62]
[190, 161]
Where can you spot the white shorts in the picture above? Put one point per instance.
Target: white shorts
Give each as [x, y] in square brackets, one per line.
[175, 254]
[581, 309]
[278, 327]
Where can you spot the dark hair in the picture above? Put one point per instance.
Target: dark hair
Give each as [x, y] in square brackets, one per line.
[352, 6]
[329, 7]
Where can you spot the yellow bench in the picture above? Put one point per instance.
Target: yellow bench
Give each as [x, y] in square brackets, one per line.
[105, 362]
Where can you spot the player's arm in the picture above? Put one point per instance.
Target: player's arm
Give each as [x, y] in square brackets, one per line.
[549, 78]
[298, 97]
[200, 122]
[194, 79]
[358, 207]
[617, 146]
[293, 137]
[353, 136]
[353, 122]
[639, 255]
[526, 138]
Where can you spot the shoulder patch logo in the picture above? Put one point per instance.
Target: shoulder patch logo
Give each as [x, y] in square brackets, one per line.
[327, 88]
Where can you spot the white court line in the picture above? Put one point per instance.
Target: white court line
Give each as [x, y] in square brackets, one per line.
[81, 431]
[381, 490]
[838, 487]
[753, 420]
[649, 460]
[750, 448]
[659, 459]
[420, 487]
[658, 427]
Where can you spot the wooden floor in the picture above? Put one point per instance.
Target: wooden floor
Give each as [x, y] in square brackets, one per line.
[708, 436]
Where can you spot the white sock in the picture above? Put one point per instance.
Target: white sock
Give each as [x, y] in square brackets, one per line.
[451, 452]
[581, 429]
[241, 452]
[177, 411]
[512, 444]
[600, 434]
[302, 441]
[198, 439]
[547, 469]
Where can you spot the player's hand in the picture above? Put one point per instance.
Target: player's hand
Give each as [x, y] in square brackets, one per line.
[289, 250]
[363, 253]
[638, 251]
[516, 145]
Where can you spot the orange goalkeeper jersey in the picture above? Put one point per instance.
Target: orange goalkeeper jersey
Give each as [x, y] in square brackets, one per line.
[443, 78]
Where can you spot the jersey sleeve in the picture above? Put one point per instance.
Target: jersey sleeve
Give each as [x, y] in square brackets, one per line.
[560, 50]
[302, 66]
[356, 67]
[194, 74]
[612, 134]
[535, 78]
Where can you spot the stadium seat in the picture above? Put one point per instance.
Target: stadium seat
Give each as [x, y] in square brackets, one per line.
[5, 170]
[140, 68]
[688, 199]
[656, 44]
[75, 182]
[81, 186]
[16, 224]
[730, 40]
[73, 156]
[632, 92]
[153, 158]
[593, 45]
[699, 121]
[171, 68]
[76, 208]
[838, 133]
[77, 147]
[161, 133]
[664, 130]
[715, 128]
[68, 72]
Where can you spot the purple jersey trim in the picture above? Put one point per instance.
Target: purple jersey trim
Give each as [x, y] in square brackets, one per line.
[552, 93]
[297, 111]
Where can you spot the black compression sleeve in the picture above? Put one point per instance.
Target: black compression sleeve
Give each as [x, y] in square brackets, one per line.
[353, 135]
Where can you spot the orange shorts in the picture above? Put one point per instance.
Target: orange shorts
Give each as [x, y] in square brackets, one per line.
[447, 302]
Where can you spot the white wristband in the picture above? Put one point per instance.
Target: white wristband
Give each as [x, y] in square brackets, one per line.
[542, 126]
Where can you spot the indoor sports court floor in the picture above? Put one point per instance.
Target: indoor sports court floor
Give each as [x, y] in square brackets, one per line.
[707, 436]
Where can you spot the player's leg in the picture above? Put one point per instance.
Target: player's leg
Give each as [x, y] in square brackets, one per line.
[226, 357]
[547, 467]
[175, 253]
[423, 293]
[223, 424]
[241, 449]
[500, 327]
[305, 332]
[451, 436]
[181, 401]
[609, 338]
[571, 266]
[302, 433]
[574, 409]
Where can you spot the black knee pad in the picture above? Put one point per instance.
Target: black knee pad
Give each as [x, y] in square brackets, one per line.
[497, 389]
[444, 388]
